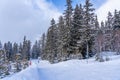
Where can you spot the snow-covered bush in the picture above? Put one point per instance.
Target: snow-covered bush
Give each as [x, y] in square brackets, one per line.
[107, 58]
[101, 60]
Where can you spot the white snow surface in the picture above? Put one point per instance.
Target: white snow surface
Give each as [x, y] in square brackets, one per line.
[71, 70]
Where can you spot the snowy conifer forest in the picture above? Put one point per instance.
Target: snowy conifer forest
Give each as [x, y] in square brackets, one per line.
[76, 35]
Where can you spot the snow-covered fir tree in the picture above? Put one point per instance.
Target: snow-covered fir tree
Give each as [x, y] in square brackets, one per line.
[51, 43]
[35, 50]
[108, 33]
[88, 25]
[76, 33]
[14, 50]
[26, 49]
[116, 32]
[8, 49]
[43, 41]
[61, 35]
[68, 24]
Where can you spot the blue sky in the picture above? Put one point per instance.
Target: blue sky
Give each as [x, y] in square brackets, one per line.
[32, 17]
[60, 4]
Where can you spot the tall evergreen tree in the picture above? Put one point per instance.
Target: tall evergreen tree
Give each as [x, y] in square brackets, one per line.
[75, 31]
[15, 50]
[108, 32]
[35, 50]
[0, 45]
[68, 24]
[61, 31]
[8, 49]
[88, 18]
[116, 32]
[26, 49]
[20, 48]
[51, 44]
[43, 43]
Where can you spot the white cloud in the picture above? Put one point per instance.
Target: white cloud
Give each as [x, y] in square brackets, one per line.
[25, 17]
[109, 5]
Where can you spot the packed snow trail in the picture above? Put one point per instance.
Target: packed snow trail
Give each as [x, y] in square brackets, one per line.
[71, 70]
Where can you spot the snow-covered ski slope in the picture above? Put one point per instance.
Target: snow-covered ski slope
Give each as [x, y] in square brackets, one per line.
[71, 70]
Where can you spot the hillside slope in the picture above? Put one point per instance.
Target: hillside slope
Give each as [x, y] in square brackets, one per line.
[71, 70]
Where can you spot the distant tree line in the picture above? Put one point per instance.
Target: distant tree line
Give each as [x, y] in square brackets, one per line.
[26, 50]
